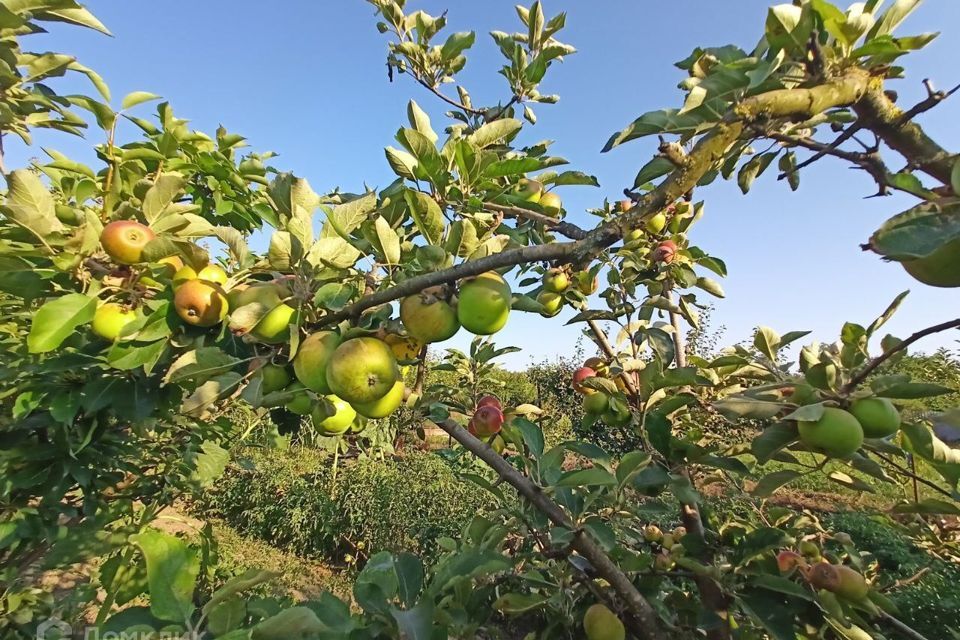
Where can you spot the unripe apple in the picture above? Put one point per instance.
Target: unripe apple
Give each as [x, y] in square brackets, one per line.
[274, 326]
[595, 403]
[878, 417]
[634, 235]
[552, 303]
[809, 549]
[428, 316]
[336, 424]
[484, 303]
[586, 283]
[599, 623]
[124, 240]
[171, 263]
[301, 403]
[556, 280]
[665, 252]
[529, 190]
[273, 377]
[579, 376]
[551, 203]
[200, 303]
[836, 434]
[213, 273]
[655, 223]
[183, 274]
[853, 586]
[677, 551]
[667, 542]
[678, 532]
[110, 319]
[487, 421]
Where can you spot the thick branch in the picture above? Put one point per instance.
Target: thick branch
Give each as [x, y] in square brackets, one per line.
[582, 542]
[884, 118]
[886, 355]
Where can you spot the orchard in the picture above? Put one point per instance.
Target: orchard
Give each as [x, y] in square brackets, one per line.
[145, 343]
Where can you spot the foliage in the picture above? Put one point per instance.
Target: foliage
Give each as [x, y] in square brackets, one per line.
[99, 435]
[292, 500]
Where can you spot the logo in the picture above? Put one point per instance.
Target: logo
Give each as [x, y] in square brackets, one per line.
[54, 629]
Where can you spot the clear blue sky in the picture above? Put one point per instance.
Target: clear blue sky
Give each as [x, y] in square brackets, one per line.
[307, 79]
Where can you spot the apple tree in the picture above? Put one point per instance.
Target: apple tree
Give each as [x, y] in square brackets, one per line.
[144, 340]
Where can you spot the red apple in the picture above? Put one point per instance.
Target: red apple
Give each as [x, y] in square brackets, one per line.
[487, 421]
[492, 401]
[579, 376]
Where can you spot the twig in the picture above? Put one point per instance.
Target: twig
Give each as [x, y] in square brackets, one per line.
[933, 99]
[582, 542]
[565, 229]
[902, 583]
[843, 137]
[886, 355]
[910, 474]
[601, 337]
[433, 89]
[901, 627]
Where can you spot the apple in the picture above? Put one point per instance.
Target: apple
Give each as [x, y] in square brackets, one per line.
[877, 416]
[625, 205]
[652, 533]
[274, 327]
[788, 561]
[200, 303]
[487, 421]
[529, 190]
[552, 303]
[172, 264]
[336, 423]
[301, 403]
[484, 304]
[599, 365]
[586, 283]
[382, 407]
[110, 319]
[492, 401]
[551, 203]
[655, 223]
[362, 370]
[599, 623]
[183, 274]
[556, 281]
[124, 240]
[273, 378]
[595, 403]
[836, 434]
[213, 273]
[310, 363]
[428, 316]
[579, 376]
[665, 252]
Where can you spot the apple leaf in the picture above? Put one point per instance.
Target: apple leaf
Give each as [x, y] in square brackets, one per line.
[57, 319]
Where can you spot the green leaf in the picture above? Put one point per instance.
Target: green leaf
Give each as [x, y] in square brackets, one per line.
[494, 132]
[596, 476]
[892, 17]
[57, 319]
[654, 169]
[781, 585]
[209, 464]
[346, 217]
[210, 392]
[669, 121]
[236, 585]
[402, 163]
[807, 413]
[573, 178]
[163, 192]
[292, 623]
[735, 408]
[410, 574]
[917, 232]
[767, 341]
[928, 506]
[426, 214]
[515, 603]
[30, 204]
[773, 481]
[200, 365]
[420, 121]
[914, 390]
[172, 570]
[132, 355]
[415, 623]
[137, 97]
[388, 240]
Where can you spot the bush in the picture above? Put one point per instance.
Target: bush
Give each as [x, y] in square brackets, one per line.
[292, 500]
[930, 603]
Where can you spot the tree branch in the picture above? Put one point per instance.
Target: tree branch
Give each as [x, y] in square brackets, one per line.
[601, 337]
[565, 229]
[886, 355]
[582, 542]
[884, 118]
[912, 475]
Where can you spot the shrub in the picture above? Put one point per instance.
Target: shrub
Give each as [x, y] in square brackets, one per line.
[293, 500]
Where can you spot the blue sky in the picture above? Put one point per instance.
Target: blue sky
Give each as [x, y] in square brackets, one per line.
[307, 80]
